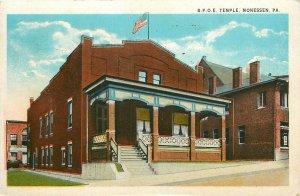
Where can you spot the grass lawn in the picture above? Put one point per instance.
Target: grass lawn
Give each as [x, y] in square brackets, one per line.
[23, 178]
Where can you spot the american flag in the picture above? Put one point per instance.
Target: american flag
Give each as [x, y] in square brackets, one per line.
[142, 21]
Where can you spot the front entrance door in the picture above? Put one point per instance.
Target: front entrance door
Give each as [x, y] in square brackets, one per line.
[284, 138]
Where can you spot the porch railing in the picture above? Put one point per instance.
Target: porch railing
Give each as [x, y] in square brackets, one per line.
[144, 149]
[98, 139]
[146, 138]
[208, 143]
[114, 150]
[173, 141]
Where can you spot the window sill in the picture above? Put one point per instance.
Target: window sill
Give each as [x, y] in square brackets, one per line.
[51, 134]
[259, 108]
[284, 148]
[63, 164]
[241, 143]
[69, 128]
[69, 165]
[51, 165]
[284, 108]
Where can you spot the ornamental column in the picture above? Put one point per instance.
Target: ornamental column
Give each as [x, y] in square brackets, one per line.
[193, 136]
[111, 127]
[155, 133]
[223, 139]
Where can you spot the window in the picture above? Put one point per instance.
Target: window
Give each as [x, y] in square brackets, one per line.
[47, 124]
[63, 156]
[101, 118]
[69, 113]
[216, 134]
[13, 156]
[13, 139]
[227, 135]
[43, 155]
[156, 79]
[41, 125]
[70, 155]
[47, 153]
[28, 138]
[24, 140]
[51, 155]
[241, 134]
[36, 156]
[261, 100]
[205, 134]
[284, 99]
[142, 76]
[51, 123]
[180, 124]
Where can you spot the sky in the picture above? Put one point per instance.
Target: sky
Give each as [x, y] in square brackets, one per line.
[37, 45]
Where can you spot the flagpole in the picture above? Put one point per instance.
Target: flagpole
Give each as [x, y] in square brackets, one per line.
[148, 25]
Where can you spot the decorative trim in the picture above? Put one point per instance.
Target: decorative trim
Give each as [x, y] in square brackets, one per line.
[173, 141]
[208, 143]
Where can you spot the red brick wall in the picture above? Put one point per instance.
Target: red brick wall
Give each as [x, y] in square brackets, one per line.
[66, 84]
[259, 124]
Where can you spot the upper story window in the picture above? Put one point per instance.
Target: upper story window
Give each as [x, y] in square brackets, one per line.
[70, 103]
[242, 134]
[261, 100]
[284, 99]
[24, 140]
[142, 76]
[13, 139]
[47, 124]
[51, 123]
[156, 79]
[41, 125]
[216, 134]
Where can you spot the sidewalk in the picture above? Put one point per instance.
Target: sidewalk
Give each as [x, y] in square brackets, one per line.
[200, 175]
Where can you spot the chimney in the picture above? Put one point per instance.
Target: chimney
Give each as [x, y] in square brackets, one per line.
[237, 79]
[212, 85]
[31, 100]
[254, 72]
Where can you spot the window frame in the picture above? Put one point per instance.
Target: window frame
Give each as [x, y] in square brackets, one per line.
[42, 155]
[284, 99]
[204, 134]
[154, 80]
[70, 154]
[262, 99]
[242, 129]
[15, 140]
[51, 155]
[142, 78]
[47, 125]
[173, 123]
[46, 157]
[70, 113]
[51, 119]
[41, 127]
[24, 136]
[63, 156]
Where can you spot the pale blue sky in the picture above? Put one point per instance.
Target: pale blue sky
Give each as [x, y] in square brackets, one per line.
[37, 45]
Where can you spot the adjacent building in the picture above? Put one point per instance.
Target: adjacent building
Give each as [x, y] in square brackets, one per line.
[257, 122]
[16, 141]
[108, 97]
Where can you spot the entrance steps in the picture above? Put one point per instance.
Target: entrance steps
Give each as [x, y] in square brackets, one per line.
[134, 161]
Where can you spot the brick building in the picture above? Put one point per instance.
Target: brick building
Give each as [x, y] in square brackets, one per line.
[257, 124]
[16, 141]
[120, 103]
